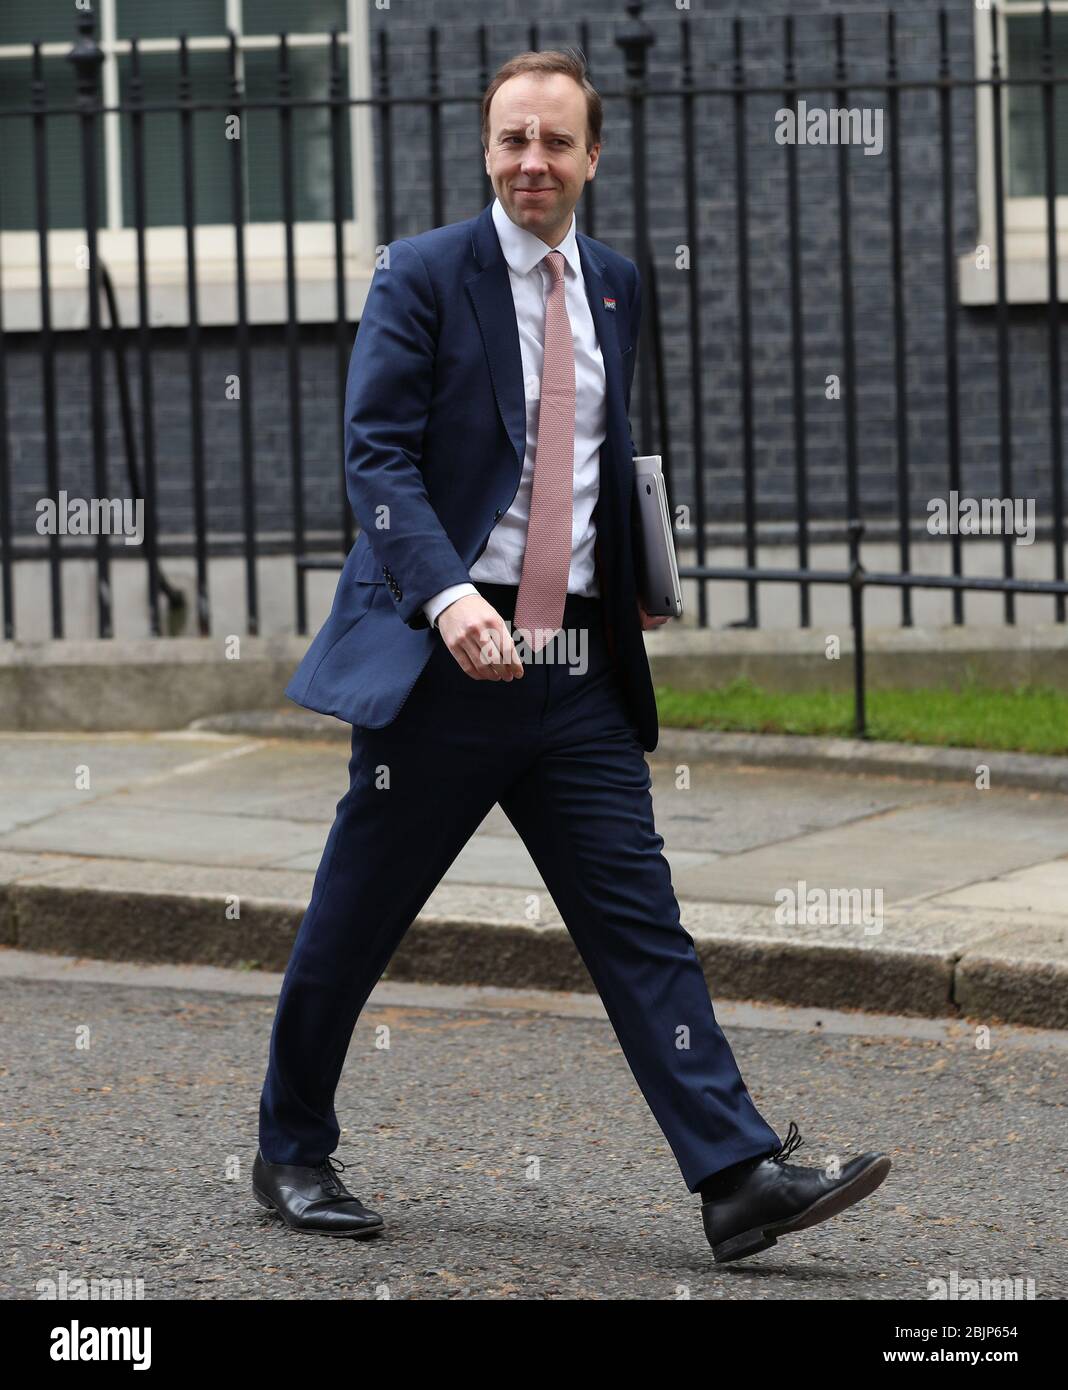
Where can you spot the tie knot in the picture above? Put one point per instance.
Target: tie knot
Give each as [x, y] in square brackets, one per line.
[555, 261]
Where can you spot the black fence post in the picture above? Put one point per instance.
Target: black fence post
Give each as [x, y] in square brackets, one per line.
[342, 345]
[385, 129]
[156, 582]
[1002, 309]
[87, 58]
[589, 191]
[693, 282]
[951, 347]
[897, 270]
[39, 100]
[192, 335]
[797, 325]
[635, 39]
[745, 330]
[1053, 306]
[483, 83]
[857, 577]
[293, 372]
[437, 173]
[244, 351]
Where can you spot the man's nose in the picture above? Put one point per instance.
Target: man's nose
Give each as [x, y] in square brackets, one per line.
[533, 158]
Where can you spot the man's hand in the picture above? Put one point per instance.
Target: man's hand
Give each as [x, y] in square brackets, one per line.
[477, 636]
[649, 621]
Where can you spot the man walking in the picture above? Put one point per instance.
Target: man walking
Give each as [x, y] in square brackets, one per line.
[489, 464]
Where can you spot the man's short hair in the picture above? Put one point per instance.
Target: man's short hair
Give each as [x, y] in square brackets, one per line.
[571, 63]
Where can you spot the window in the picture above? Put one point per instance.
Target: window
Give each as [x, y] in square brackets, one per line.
[207, 24]
[1024, 156]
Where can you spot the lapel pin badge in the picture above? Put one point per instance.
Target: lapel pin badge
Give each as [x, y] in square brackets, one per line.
[609, 303]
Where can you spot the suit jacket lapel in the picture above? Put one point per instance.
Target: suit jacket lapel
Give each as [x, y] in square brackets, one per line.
[491, 295]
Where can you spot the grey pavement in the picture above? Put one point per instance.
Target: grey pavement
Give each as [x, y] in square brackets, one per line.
[200, 846]
[504, 1141]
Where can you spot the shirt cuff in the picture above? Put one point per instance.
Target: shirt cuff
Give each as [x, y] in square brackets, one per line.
[441, 601]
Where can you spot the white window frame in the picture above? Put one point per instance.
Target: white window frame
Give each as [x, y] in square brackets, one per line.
[215, 243]
[1026, 270]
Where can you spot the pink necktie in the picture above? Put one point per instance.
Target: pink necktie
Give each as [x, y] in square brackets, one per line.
[547, 558]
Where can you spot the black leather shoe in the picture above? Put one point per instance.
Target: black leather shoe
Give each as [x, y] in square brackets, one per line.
[775, 1197]
[312, 1199]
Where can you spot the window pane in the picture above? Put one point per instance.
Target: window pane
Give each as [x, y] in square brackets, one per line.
[163, 157]
[312, 163]
[282, 16]
[150, 19]
[50, 21]
[1026, 123]
[18, 208]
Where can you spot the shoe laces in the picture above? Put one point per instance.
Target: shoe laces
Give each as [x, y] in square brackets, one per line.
[792, 1143]
[328, 1175]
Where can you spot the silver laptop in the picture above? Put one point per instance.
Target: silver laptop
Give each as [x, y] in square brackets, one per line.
[658, 579]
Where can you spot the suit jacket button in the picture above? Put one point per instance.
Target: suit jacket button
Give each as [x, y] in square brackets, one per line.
[497, 514]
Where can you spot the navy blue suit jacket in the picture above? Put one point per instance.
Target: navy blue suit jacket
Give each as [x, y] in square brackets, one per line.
[435, 434]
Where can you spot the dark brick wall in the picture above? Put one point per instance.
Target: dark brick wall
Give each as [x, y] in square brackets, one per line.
[715, 258]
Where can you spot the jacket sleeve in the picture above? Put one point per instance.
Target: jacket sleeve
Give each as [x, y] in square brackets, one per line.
[387, 404]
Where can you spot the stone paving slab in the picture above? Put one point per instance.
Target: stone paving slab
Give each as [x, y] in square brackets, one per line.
[916, 762]
[1040, 888]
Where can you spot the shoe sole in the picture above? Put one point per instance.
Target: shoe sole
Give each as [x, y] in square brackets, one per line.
[764, 1237]
[313, 1231]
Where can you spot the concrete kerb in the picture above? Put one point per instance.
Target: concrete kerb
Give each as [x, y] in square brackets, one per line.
[962, 970]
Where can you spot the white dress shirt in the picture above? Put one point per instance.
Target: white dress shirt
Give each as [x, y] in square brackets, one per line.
[502, 560]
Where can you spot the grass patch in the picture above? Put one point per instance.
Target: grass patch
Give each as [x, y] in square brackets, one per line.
[1027, 719]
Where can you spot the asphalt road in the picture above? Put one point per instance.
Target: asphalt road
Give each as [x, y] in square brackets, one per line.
[505, 1143]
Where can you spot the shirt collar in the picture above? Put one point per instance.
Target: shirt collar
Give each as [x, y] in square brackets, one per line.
[523, 250]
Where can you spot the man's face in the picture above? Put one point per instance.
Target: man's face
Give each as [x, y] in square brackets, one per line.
[536, 157]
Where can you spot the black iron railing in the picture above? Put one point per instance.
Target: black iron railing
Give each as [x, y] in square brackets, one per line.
[662, 397]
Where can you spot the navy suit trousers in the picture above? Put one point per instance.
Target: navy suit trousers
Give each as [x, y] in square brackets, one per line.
[558, 750]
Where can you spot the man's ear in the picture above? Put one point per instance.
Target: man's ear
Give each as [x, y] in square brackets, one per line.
[594, 154]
